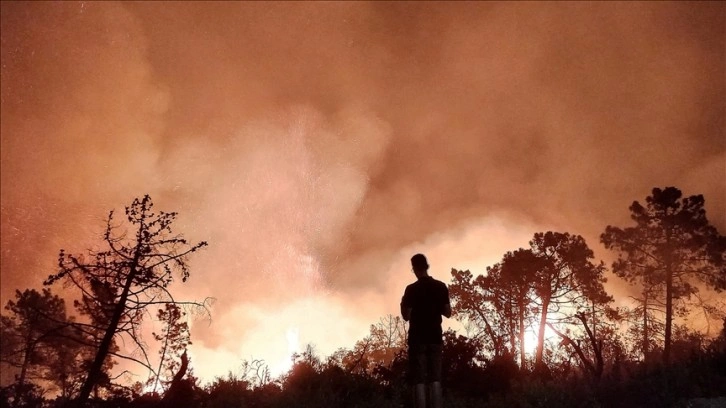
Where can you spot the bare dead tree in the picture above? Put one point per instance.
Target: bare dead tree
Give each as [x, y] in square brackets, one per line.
[120, 283]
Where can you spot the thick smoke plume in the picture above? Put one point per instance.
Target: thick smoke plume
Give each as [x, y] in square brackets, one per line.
[316, 146]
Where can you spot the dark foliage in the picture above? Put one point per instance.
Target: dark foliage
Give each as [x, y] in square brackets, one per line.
[556, 283]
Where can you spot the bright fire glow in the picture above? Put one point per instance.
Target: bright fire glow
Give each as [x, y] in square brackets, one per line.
[530, 342]
[530, 339]
[293, 346]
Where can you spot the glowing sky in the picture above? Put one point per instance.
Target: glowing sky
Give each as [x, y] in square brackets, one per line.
[317, 146]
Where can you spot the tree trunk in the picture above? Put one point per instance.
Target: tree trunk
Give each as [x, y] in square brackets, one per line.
[598, 367]
[511, 327]
[669, 299]
[586, 363]
[23, 372]
[496, 340]
[522, 356]
[95, 371]
[180, 393]
[541, 333]
[669, 315]
[646, 339]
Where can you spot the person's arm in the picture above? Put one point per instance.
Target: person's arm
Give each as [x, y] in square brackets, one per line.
[447, 305]
[447, 310]
[406, 312]
[405, 306]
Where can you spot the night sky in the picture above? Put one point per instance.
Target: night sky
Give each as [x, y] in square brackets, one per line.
[317, 146]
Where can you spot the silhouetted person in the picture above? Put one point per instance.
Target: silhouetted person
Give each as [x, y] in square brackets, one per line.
[423, 304]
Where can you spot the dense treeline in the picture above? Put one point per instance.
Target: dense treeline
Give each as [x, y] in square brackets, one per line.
[541, 329]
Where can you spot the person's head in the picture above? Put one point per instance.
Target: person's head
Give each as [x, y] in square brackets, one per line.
[420, 265]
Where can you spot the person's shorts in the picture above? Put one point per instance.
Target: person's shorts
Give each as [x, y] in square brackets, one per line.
[424, 363]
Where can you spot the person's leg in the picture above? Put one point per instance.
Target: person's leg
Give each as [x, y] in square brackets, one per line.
[436, 397]
[433, 358]
[419, 395]
[417, 372]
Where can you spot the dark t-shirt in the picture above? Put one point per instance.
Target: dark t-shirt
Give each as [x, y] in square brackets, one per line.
[427, 299]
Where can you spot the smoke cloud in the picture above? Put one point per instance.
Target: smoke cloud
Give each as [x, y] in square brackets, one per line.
[317, 146]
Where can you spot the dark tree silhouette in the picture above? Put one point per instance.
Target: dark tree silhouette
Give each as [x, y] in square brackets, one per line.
[119, 283]
[175, 339]
[670, 251]
[646, 325]
[499, 304]
[596, 331]
[512, 283]
[472, 302]
[555, 275]
[462, 365]
[567, 282]
[34, 328]
[379, 348]
[71, 357]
